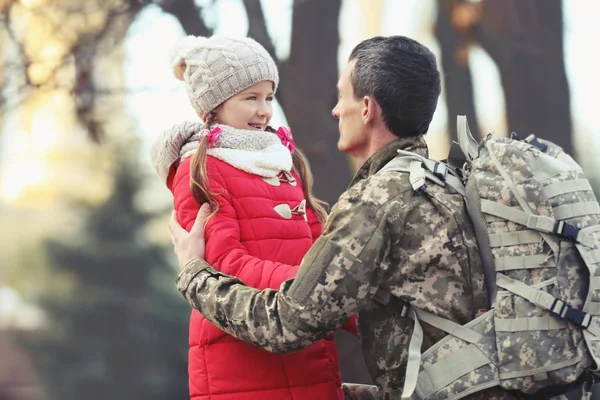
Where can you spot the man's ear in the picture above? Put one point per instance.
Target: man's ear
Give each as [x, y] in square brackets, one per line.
[370, 109]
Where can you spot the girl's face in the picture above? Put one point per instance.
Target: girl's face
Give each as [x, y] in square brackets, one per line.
[249, 109]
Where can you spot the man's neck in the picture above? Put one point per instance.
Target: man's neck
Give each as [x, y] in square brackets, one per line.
[379, 139]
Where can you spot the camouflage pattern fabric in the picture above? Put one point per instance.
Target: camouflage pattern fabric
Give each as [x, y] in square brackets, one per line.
[380, 237]
[538, 227]
[540, 185]
[360, 392]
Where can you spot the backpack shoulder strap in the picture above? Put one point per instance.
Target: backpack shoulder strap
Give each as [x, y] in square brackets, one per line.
[466, 141]
[422, 169]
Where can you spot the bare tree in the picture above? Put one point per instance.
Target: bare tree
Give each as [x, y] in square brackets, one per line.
[458, 84]
[309, 94]
[307, 91]
[525, 40]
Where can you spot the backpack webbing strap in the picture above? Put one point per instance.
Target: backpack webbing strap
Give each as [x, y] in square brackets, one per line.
[467, 143]
[446, 370]
[417, 176]
[524, 262]
[520, 199]
[560, 188]
[514, 238]
[450, 368]
[435, 171]
[545, 300]
[414, 358]
[413, 166]
[450, 179]
[545, 323]
[568, 211]
[450, 327]
[590, 254]
[591, 257]
[591, 305]
[439, 172]
[540, 223]
[436, 376]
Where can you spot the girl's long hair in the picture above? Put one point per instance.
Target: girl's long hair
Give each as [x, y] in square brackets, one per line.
[200, 186]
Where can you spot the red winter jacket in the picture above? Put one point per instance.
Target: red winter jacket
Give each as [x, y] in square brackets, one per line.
[250, 240]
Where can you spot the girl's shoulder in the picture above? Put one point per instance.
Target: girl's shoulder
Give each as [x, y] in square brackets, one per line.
[212, 163]
[217, 167]
[216, 170]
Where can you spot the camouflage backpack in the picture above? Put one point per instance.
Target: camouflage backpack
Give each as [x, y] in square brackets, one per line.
[537, 224]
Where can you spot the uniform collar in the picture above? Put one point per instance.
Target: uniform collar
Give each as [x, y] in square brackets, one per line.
[415, 144]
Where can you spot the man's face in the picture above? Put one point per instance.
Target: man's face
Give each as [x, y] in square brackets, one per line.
[353, 133]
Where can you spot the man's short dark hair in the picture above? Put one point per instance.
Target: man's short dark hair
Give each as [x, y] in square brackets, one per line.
[402, 75]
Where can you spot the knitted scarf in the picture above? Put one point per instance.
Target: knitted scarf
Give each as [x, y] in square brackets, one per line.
[257, 152]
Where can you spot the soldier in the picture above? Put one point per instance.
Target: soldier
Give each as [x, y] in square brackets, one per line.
[381, 238]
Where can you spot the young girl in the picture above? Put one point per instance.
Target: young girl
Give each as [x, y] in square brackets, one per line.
[264, 216]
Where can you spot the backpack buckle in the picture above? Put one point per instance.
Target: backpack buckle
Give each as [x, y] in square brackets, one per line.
[571, 314]
[566, 230]
[532, 140]
[578, 317]
[440, 170]
[417, 177]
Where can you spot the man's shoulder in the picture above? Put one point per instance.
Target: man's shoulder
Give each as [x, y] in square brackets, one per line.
[379, 190]
[362, 207]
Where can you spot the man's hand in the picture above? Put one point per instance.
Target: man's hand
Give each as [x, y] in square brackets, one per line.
[189, 245]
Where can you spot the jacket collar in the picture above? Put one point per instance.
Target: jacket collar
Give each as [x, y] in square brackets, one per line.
[415, 144]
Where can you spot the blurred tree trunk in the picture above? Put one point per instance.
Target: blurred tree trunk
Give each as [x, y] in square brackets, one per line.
[308, 81]
[372, 16]
[188, 14]
[458, 85]
[17, 376]
[525, 39]
[258, 26]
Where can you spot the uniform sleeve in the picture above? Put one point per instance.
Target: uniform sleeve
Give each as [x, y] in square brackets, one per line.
[224, 250]
[317, 228]
[338, 276]
[355, 391]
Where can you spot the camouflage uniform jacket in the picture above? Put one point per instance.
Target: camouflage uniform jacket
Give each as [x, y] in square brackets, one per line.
[421, 248]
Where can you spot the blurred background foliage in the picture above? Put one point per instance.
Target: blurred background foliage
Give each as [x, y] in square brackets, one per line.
[88, 307]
